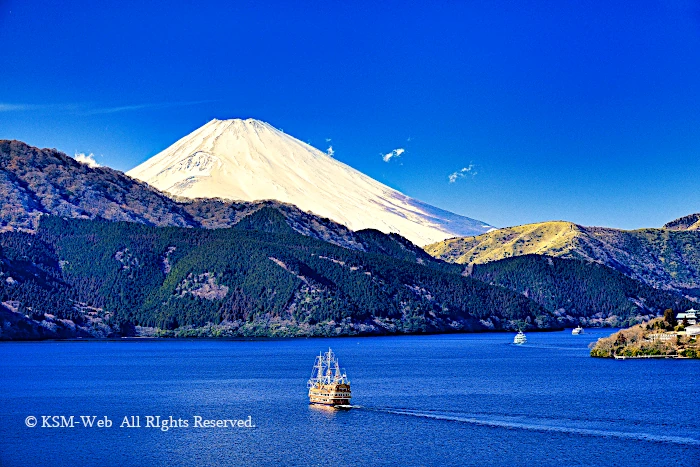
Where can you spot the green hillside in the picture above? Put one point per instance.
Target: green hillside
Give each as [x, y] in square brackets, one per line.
[240, 281]
[663, 258]
[580, 292]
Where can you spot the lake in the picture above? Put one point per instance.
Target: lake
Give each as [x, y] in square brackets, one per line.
[464, 399]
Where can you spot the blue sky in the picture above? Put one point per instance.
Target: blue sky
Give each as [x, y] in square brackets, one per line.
[584, 111]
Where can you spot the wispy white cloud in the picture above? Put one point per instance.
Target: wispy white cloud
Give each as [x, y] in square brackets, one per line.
[471, 170]
[129, 108]
[88, 160]
[122, 108]
[328, 140]
[330, 151]
[92, 109]
[393, 154]
[6, 107]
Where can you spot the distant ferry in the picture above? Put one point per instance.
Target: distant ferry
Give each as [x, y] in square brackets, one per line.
[328, 385]
[577, 330]
[520, 338]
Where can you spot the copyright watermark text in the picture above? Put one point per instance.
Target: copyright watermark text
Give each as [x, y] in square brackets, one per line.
[162, 423]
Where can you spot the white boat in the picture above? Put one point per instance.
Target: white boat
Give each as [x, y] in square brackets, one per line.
[577, 330]
[520, 338]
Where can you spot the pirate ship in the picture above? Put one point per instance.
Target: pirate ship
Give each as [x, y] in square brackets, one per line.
[328, 384]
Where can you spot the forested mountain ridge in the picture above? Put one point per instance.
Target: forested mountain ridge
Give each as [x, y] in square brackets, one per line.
[37, 181]
[98, 275]
[663, 258]
[690, 222]
[578, 291]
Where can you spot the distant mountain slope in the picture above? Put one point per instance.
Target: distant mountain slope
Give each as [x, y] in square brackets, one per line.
[663, 258]
[44, 181]
[543, 238]
[398, 247]
[691, 222]
[251, 160]
[217, 214]
[579, 292]
[34, 182]
[238, 281]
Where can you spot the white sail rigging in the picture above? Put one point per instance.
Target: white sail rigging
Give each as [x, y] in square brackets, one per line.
[326, 370]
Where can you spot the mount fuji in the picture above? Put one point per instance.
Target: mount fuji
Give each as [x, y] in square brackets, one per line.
[251, 160]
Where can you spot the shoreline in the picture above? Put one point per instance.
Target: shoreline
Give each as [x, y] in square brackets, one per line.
[284, 338]
[624, 357]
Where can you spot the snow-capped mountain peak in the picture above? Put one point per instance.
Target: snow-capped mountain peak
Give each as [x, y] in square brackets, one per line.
[251, 160]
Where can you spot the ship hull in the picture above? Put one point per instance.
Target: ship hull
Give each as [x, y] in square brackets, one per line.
[330, 394]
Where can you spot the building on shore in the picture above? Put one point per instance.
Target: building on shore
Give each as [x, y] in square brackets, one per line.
[689, 315]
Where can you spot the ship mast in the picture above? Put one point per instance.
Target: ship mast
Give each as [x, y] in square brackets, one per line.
[326, 370]
[329, 365]
[316, 371]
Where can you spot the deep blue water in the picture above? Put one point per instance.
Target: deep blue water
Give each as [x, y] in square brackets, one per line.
[424, 400]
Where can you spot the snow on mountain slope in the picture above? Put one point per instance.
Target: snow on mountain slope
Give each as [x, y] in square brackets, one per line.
[251, 160]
